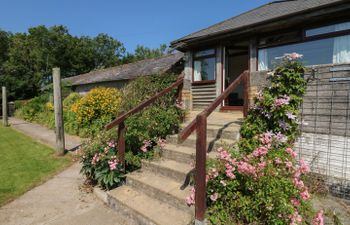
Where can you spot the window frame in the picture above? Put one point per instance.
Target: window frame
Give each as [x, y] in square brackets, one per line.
[305, 39]
[202, 82]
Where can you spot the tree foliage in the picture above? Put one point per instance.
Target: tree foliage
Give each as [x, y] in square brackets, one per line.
[27, 59]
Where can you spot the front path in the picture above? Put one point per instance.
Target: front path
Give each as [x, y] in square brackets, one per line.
[59, 200]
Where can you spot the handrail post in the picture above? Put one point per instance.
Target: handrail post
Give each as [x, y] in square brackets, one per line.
[179, 93]
[246, 94]
[200, 171]
[121, 143]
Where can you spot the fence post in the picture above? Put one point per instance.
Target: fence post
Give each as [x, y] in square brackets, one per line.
[121, 143]
[59, 127]
[201, 156]
[4, 107]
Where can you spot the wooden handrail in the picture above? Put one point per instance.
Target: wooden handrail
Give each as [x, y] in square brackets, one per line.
[143, 105]
[120, 121]
[187, 131]
[200, 125]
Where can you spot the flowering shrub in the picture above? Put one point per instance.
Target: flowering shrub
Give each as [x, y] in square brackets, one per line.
[261, 182]
[99, 102]
[100, 164]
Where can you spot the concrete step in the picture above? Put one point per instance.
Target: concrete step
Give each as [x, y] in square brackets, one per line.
[230, 131]
[179, 153]
[145, 210]
[213, 143]
[182, 154]
[169, 168]
[161, 188]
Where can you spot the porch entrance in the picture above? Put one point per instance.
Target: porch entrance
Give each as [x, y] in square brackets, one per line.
[236, 61]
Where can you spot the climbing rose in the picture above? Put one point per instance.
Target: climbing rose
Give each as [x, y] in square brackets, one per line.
[291, 152]
[111, 144]
[305, 195]
[295, 202]
[295, 218]
[246, 168]
[303, 167]
[318, 219]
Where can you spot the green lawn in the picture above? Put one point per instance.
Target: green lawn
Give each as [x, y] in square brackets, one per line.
[24, 164]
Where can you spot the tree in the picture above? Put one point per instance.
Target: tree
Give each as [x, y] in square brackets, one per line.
[27, 62]
[142, 52]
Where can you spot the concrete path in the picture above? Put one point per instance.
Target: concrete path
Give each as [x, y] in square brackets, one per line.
[42, 134]
[60, 200]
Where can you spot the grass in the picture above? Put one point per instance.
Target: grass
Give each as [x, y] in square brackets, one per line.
[24, 164]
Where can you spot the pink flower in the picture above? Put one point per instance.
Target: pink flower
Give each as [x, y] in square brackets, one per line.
[284, 100]
[261, 151]
[292, 56]
[113, 164]
[266, 138]
[291, 152]
[295, 218]
[291, 116]
[246, 168]
[298, 183]
[95, 159]
[278, 161]
[146, 144]
[318, 219]
[214, 197]
[230, 174]
[305, 195]
[190, 200]
[303, 167]
[111, 144]
[289, 164]
[223, 154]
[295, 202]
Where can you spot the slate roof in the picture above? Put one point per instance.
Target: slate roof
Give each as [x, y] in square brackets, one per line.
[268, 12]
[128, 71]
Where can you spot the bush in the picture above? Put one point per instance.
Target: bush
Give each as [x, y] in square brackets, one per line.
[157, 120]
[30, 109]
[98, 102]
[145, 131]
[70, 100]
[262, 182]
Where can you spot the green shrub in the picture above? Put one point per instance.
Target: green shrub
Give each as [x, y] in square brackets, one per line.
[157, 120]
[262, 182]
[31, 108]
[145, 131]
[70, 100]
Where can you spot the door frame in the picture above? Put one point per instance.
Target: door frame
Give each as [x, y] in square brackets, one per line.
[225, 108]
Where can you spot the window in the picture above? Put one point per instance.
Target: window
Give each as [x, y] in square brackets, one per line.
[204, 65]
[327, 29]
[325, 51]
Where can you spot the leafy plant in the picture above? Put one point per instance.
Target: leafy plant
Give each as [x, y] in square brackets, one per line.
[261, 182]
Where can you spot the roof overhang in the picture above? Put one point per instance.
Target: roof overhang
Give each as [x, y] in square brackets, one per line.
[300, 18]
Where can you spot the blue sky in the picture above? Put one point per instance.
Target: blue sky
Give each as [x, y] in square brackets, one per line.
[146, 22]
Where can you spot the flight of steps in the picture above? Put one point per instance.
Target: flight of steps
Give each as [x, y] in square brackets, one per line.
[152, 195]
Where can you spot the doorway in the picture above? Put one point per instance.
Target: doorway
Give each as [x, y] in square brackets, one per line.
[236, 62]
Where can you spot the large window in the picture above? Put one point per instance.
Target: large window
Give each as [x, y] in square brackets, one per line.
[204, 66]
[331, 50]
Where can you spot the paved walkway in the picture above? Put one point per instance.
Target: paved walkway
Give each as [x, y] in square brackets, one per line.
[59, 201]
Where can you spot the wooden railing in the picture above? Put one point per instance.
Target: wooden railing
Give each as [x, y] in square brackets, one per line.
[120, 121]
[200, 125]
